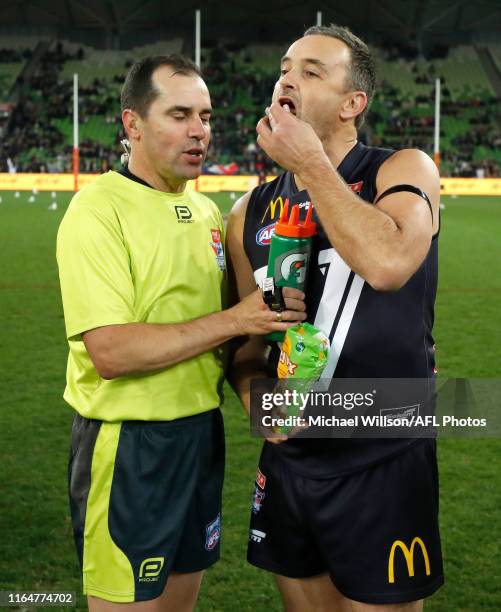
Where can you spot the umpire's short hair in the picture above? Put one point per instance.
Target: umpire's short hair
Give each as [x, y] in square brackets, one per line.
[362, 70]
[138, 91]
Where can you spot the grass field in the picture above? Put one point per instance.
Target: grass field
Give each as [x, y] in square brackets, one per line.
[36, 548]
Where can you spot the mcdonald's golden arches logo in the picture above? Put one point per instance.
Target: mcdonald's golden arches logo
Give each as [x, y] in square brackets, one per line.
[272, 207]
[409, 557]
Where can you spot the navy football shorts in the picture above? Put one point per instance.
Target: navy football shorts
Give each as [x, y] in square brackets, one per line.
[145, 500]
[375, 531]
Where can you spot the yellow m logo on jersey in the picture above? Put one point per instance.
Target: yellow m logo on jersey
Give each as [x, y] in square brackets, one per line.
[271, 208]
[409, 557]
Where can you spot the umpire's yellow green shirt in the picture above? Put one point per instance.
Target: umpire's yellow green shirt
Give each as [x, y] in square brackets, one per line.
[129, 253]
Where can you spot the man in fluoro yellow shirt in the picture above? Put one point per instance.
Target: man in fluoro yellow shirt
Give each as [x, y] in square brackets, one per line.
[143, 280]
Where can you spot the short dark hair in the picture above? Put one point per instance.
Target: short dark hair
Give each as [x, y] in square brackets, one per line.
[139, 92]
[362, 70]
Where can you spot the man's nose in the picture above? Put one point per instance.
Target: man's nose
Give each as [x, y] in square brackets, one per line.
[196, 129]
[288, 80]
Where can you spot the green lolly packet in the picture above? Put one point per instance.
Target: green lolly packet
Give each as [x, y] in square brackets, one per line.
[304, 355]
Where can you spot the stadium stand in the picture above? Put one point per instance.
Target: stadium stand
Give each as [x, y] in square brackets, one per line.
[241, 79]
[495, 51]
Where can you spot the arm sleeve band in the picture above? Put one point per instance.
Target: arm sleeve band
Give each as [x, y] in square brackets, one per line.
[412, 189]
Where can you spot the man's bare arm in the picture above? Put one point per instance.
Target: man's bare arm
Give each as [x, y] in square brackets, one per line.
[247, 358]
[133, 348]
[385, 244]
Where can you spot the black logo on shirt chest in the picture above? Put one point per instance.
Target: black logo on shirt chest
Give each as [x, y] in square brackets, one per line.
[184, 214]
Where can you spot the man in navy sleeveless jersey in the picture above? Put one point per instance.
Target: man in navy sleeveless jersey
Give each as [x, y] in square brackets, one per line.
[345, 524]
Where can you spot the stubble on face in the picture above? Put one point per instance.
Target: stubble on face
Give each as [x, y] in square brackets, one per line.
[175, 132]
[319, 66]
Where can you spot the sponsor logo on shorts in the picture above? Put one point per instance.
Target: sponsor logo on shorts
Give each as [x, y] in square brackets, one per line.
[150, 569]
[213, 533]
[256, 536]
[260, 479]
[409, 558]
[184, 214]
[264, 235]
[257, 500]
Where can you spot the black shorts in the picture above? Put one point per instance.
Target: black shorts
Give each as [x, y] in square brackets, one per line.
[145, 500]
[374, 531]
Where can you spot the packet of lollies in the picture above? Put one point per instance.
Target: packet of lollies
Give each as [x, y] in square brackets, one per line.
[304, 355]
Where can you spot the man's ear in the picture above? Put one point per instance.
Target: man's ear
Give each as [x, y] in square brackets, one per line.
[132, 123]
[354, 104]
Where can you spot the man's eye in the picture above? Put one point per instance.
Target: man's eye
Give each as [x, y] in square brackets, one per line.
[283, 71]
[205, 119]
[179, 116]
[310, 73]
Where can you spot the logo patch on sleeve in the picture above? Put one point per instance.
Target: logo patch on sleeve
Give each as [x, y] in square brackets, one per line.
[217, 247]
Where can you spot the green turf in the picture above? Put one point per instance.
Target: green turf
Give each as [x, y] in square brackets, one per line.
[36, 550]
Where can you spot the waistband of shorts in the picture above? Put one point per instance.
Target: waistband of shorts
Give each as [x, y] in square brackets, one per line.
[192, 420]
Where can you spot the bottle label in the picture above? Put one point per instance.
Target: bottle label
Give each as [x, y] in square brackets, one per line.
[291, 267]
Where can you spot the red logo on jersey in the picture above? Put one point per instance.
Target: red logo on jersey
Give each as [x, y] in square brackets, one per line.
[356, 187]
[217, 247]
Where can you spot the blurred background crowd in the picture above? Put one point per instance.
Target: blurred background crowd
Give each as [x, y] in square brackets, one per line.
[36, 102]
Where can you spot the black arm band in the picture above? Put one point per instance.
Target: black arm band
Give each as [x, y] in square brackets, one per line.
[412, 189]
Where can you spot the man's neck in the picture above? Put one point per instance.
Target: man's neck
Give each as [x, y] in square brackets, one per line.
[337, 148]
[148, 175]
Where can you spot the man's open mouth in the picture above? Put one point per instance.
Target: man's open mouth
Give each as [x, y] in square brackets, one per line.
[195, 152]
[282, 100]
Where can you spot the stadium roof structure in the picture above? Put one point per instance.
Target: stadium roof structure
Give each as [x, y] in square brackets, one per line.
[403, 20]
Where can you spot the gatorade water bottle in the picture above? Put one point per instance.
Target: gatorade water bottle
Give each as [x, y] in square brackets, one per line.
[290, 252]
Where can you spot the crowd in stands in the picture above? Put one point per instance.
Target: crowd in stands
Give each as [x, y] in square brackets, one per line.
[239, 100]
[33, 139]
[33, 142]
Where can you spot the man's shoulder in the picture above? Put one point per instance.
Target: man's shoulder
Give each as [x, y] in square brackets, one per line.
[97, 193]
[93, 203]
[409, 160]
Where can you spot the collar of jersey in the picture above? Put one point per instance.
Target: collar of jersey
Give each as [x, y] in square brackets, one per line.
[145, 187]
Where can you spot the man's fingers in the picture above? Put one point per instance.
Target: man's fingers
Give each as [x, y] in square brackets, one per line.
[292, 292]
[278, 439]
[263, 127]
[271, 118]
[275, 111]
[287, 315]
[293, 304]
[293, 315]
